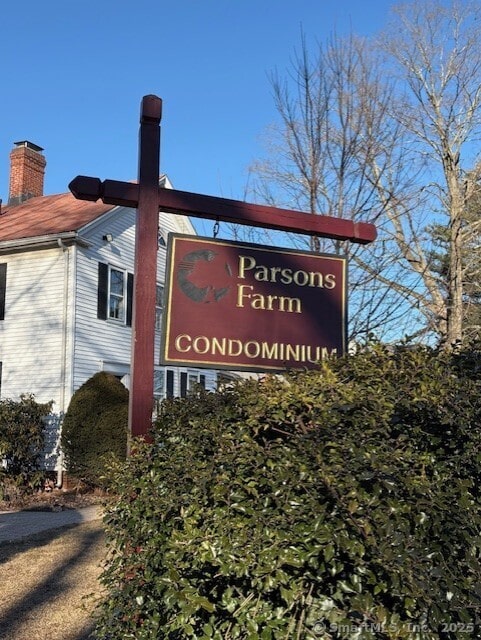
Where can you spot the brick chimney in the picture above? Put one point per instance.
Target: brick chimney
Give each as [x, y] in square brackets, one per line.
[27, 170]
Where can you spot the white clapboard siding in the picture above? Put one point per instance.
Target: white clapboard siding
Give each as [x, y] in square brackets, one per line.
[106, 344]
[35, 334]
[101, 341]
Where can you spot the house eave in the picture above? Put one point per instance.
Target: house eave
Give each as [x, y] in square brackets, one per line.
[66, 238]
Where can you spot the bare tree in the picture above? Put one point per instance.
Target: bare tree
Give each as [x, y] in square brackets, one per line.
[386, 131]
[332, 112]
[470, 258]
[436, 50]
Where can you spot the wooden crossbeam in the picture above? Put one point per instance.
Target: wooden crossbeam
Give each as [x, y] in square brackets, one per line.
[225, 210]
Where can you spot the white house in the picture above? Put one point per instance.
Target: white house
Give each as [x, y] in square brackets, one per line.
[66, 273]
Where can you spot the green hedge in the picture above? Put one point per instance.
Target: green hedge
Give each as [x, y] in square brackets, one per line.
[94, 430]
[338, 503]
[22, 432]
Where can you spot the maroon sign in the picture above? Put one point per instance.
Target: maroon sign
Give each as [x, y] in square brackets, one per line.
[250, 307]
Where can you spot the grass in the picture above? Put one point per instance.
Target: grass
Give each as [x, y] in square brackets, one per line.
[49, 584]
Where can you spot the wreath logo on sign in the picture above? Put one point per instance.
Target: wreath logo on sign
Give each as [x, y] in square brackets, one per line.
[199, 283]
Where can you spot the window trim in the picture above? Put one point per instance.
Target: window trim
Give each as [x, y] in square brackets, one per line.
[103, 294]
[159, 308]
[121, 299]
[189, 380]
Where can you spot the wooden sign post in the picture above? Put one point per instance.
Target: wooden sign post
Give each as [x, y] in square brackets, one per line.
[149, 199]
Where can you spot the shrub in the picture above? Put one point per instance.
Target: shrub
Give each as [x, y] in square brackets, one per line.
[94, 430]
[22, 430]
[341, 501]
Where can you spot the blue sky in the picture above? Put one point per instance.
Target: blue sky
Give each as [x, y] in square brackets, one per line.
[73, 75]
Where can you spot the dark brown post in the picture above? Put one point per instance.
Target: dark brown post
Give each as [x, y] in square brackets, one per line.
[145, 270]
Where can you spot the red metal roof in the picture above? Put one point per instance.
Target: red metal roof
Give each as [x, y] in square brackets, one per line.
[48, 215]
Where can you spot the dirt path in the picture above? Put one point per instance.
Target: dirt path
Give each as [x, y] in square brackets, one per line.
[46, 581]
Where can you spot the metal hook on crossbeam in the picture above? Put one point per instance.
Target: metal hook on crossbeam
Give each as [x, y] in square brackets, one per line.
[216, 228]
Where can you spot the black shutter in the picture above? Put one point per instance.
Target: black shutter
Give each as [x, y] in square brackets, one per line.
[3, 288]
[130, 297]
[170, 383]
[103, 286]
[202, 381]
[183, 384]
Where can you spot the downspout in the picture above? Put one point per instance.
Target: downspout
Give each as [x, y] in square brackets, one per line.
[63, 357]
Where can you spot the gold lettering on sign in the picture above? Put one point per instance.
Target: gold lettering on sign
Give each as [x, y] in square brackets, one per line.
[233, 347]
[259, 301]
[284, 275]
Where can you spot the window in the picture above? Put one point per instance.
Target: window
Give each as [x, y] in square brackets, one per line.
[162, 237]
[189, 381]
[166, 381]
[193, 378]
[115, 294]
[159, 306]
[159, 384]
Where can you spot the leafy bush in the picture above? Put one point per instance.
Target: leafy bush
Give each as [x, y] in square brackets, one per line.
[94, 431]
[339, 503]
[22, 430]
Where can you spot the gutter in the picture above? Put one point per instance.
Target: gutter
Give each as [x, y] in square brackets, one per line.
[43, 242]
[63, 246]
